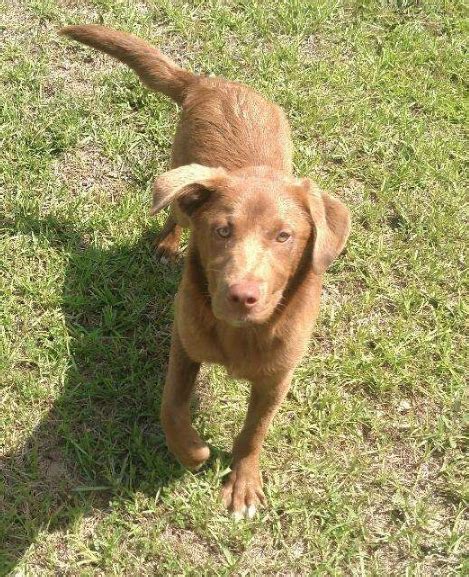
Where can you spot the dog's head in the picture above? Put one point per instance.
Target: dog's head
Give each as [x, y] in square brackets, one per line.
[253, 229]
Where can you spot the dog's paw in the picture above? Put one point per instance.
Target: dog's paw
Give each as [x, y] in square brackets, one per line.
[166, 252]
[189, 450]
[183, 440]
[242, 492]
[194, 457]
[167, 244]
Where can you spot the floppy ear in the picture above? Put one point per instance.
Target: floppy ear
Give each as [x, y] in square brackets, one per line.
[190, 185]
[332, 223]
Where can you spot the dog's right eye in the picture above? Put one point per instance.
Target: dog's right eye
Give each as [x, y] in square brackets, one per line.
[223, 231]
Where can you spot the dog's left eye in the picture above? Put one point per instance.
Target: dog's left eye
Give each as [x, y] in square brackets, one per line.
[283, 236]
[223, 231]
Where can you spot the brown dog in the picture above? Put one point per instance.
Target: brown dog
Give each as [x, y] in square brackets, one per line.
[261, 241]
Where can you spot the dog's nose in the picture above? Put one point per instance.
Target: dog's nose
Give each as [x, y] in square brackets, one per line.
[245, 294]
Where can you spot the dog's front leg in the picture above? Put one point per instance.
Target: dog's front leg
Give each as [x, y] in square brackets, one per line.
[181, 437]
[242, 491]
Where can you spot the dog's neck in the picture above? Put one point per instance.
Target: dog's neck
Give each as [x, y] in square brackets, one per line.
[196, 274]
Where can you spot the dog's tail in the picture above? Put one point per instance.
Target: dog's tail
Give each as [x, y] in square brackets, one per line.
[155, 70]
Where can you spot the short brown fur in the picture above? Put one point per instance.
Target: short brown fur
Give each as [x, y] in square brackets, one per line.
[261, 241]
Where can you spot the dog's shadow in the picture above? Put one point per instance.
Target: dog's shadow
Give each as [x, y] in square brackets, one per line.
[101, 437]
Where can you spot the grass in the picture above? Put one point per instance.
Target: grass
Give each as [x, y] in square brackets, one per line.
[364, 466]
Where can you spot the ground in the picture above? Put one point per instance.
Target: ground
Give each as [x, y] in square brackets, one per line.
[364, 466]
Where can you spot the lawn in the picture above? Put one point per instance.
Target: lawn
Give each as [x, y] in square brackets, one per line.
[364, 466]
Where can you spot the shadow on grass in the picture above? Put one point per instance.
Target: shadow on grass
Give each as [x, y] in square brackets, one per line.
[101, 439]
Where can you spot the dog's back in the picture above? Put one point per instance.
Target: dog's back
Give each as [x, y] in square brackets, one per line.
[228, 124]
[223, 123]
